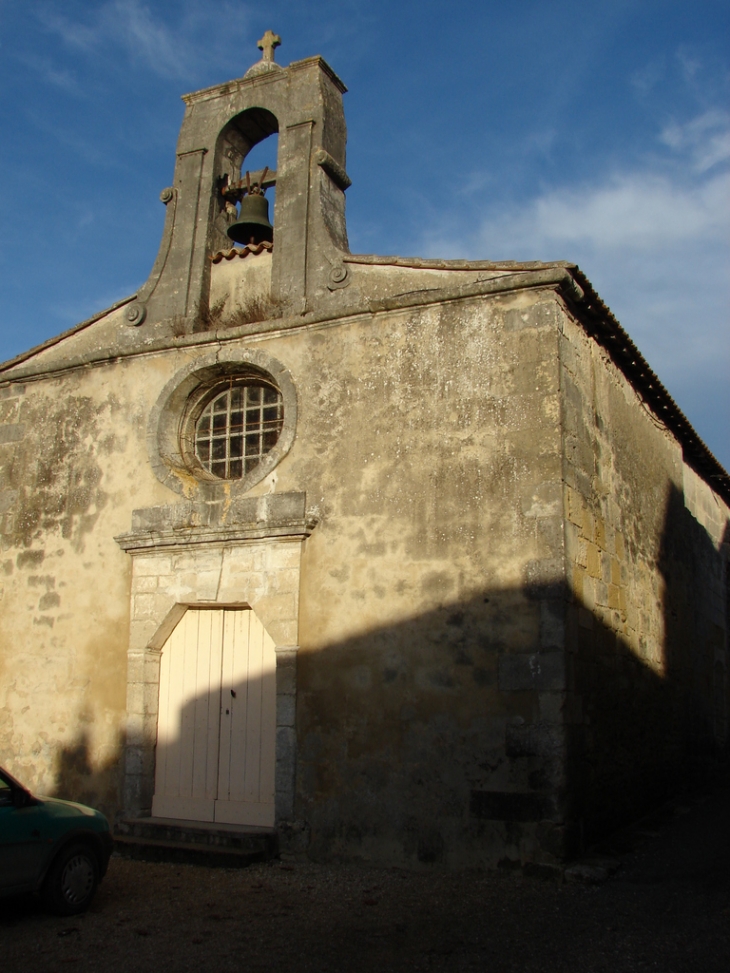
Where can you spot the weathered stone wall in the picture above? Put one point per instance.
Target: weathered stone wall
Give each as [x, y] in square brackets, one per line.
[429, 646]
[428, 446]
[68, 473]
[646, 621]
[456, 457]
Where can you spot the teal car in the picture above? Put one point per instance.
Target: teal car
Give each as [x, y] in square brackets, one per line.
[57, 849]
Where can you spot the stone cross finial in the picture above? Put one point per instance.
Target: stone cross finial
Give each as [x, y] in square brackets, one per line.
[268, 42]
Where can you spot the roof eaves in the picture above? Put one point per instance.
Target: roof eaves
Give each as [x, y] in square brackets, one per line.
[603, 326]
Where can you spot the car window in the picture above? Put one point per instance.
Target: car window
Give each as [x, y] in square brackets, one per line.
[6, 793]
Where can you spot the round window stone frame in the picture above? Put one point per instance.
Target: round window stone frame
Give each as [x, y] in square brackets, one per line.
[178, 405]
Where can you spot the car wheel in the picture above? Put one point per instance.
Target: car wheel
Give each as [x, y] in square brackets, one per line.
[71, 880]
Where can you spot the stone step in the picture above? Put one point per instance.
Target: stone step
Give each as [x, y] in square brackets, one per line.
[194, 842]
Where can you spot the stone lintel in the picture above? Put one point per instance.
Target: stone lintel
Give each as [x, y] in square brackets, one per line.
[172, 539]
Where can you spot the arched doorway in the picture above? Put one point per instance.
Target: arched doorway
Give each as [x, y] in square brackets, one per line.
[216, 729]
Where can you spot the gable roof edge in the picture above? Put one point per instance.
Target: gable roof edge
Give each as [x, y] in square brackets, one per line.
[57, 339]
[600, 323]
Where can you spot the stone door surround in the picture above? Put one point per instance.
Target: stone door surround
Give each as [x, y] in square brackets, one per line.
[186, 556]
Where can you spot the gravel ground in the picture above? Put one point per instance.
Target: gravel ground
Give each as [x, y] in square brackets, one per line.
[667, 909]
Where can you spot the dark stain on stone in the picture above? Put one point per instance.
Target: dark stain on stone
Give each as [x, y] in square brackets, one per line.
[436, 583]
[443, 680]
[481, 676]
[46, 581]
[64, 471]
[430, 848]
[30, 559]
[539, 780]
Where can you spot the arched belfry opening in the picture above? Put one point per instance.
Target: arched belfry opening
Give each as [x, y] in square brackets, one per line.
[295, 113]
[247, 157]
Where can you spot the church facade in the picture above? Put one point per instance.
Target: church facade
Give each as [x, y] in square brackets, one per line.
[409, 560]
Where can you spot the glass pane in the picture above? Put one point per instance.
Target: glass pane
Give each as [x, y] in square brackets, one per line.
[235, 446]
[235, 471]
[219, 421]
[236, 421]
[253, 394]
[236, 397]
[203, 450]
[252, 445]
[218, 469]
[220, 404]
[219, 448]
[269, 440]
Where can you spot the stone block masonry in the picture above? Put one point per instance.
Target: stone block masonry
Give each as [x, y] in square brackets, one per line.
[644, 575]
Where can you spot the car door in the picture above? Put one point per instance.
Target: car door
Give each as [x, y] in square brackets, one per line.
[22, 842]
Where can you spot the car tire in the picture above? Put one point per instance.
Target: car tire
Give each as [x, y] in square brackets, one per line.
[72, 880]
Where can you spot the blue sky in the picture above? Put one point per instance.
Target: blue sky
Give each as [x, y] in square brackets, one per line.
[597, 132]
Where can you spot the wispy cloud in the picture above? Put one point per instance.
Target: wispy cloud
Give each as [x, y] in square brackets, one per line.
[706, 139]
[630, 211]
[645, 80]
[168, 52]
[173, 47]
[81, 37]
[681, 197]
[45, 68]
[654, 240]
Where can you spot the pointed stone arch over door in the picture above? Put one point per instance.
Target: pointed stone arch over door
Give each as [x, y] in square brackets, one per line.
[216, 731]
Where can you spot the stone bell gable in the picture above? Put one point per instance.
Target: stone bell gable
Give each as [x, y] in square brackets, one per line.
[402, 559]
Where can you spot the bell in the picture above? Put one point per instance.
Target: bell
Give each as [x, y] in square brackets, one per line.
[253, 221]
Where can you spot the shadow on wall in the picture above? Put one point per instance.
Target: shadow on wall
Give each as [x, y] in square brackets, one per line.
[514, 727]
[80, 777]
[636, 736]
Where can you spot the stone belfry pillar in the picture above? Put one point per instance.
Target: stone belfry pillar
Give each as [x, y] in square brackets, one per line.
[303, 103]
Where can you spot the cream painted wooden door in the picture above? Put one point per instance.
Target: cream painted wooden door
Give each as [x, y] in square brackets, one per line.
[216, 729]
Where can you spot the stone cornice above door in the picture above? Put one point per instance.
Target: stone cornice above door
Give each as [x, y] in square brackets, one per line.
[181, 525]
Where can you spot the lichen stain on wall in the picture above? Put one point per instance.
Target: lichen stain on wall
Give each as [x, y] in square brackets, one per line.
[58, 482]
[62, 477]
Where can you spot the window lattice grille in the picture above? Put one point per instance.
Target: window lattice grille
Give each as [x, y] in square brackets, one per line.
[237, 428]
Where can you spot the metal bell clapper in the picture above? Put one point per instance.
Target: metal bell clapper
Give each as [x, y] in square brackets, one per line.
[253, 224]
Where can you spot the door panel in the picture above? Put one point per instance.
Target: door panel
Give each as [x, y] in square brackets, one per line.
[187, 730]
[248, 722]
[217, 720]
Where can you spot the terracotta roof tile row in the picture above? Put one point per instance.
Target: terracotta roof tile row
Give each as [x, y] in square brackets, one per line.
[250, 248]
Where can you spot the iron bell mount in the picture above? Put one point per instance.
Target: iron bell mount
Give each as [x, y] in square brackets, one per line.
[253, 224]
